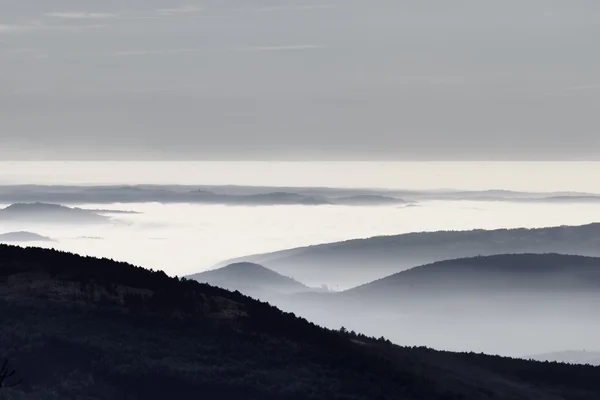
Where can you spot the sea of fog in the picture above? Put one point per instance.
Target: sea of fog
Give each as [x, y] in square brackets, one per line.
[185, 238]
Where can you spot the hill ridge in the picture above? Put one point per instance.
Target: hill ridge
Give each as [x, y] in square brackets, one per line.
[175, 337]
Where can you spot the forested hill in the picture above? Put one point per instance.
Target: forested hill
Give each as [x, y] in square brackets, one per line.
[87, 328]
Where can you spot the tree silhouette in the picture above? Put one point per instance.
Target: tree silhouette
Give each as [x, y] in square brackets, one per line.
[6, 374]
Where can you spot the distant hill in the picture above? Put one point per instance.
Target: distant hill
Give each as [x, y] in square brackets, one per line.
[257, 195]
[368, 200]
[18, 237]
[350, 263]
[152, 193]
[511, 304]
[110, 211]
[251, 279]
[569, 357]
[44, 213]
[81, 327]
[529, 273]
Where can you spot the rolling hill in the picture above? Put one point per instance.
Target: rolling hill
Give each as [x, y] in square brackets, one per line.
[80, 327]
[512, 304]
[229, 195]
[23, 237]
[251, 279]
[514, 273]
[232, 194]
[45, 213]
[350, 263]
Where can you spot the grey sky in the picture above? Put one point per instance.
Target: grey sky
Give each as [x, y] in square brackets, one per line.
[302, 79]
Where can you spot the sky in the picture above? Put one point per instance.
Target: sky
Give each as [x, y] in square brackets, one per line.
[299, 80]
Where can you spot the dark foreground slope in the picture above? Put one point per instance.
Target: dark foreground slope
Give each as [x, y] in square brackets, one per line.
[354, 262]
[86, 328]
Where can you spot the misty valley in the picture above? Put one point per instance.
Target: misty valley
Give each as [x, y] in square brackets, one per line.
[298, 293]
[445, 283]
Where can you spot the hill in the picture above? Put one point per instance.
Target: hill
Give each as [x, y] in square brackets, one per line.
[368, 200]
[511, 304]
[354, 262]
[231, 194]
[529, 273]
[23, 237]
[45, 213]
[80, 327]
[251, 279]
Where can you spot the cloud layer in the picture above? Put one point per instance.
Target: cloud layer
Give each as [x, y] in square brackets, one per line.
[351, 79]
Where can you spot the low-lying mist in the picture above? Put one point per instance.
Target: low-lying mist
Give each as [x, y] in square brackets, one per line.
[183, 238]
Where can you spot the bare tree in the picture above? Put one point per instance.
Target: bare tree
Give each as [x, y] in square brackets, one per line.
[6, 374]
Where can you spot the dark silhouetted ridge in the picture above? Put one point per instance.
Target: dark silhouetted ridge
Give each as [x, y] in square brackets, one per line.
[81, 327]
[569, 357]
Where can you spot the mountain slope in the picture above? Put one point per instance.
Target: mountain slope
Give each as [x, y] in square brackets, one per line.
[251, 279]
[354, 262]
[80, 327]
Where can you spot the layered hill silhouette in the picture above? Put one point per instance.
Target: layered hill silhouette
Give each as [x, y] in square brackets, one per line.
[227, 195]
[45, 213]
[528, 273]
[268, 195]
[354, 262]
[81, 327]
[514, 304]
[23, 237]
[251, 279]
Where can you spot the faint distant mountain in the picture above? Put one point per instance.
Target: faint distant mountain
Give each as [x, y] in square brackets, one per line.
[368, 200]
[267, 195]
[108, 211]
[503, 195]
[353, 262]
[21, 237]
[535, 199]
[569, 357]
[153, 193]
[252, 279]
[272, 198]
[49, 213]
